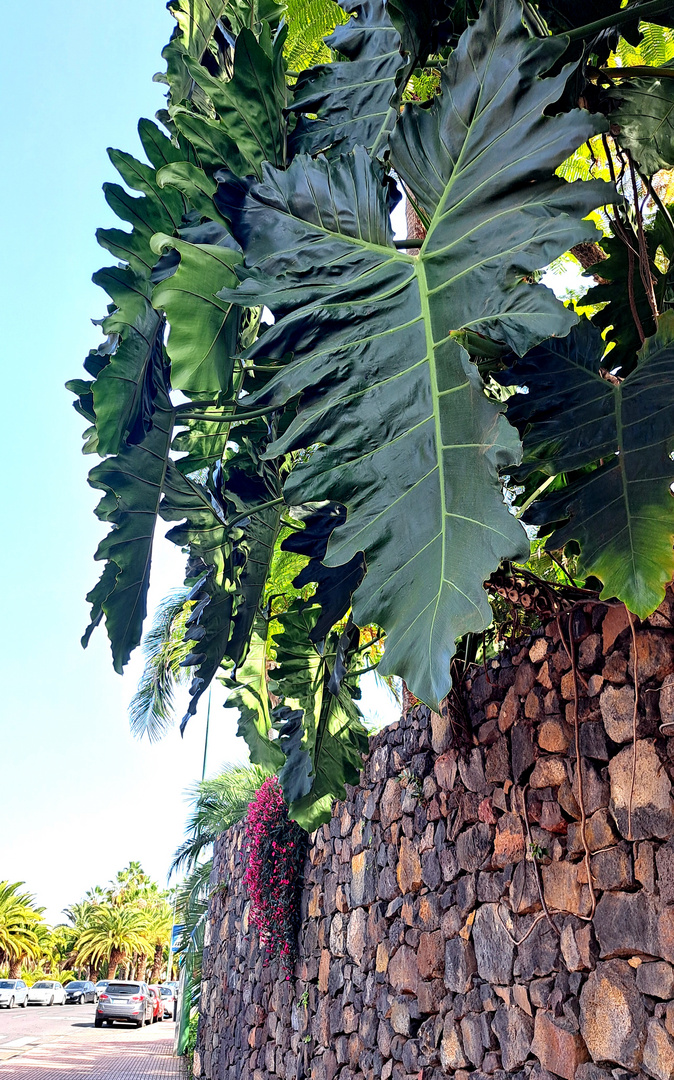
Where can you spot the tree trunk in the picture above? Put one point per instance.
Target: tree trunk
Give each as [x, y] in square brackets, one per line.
[15, 968]
[140, 970]
[157, 963]
[116, 958]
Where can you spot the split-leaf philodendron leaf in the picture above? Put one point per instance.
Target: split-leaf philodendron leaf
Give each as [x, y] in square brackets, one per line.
[645, 116]
[323, 745]
[326, 362]
[407, 439]
[619, 436]
[347, 103]
[133, 483]
[204, 330]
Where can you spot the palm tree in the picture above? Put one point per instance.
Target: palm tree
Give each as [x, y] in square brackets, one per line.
[19, 922]
[216, 805]
[112, 933]
[160, 924]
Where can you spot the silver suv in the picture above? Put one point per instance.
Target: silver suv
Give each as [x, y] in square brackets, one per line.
[130, 1001]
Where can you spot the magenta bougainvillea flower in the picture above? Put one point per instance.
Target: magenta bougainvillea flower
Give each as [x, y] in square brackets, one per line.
[276, 847]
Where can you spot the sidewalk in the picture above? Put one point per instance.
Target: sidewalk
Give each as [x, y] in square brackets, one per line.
[111, 1054]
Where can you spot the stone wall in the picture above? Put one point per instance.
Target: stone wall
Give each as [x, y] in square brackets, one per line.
[449, 926]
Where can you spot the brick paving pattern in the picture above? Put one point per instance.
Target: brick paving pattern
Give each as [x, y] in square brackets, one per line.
[91, 1055]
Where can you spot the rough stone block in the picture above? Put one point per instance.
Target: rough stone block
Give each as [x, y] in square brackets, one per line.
[627, 924]
[409, 867]
[431, 955]
[652, 805]
[403, 970]
[656, 980]
[451, 1050]
[514, 1031]
[612, 1015]
[557, 1049]
[509, 846]
[617, 711]
[658, 1059]
[460, 965]
[563, 889]
[493, 947]
[473, 846]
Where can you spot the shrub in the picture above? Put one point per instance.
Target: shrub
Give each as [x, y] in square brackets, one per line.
[276, 847]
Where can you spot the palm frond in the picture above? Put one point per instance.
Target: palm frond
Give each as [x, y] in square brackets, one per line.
[164, 648]
[309, 21]
[216, 805]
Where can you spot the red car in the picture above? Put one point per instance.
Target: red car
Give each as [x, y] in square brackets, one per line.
[157, 1004]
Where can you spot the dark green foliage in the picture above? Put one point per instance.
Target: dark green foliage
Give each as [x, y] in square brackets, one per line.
[342, 463]
[320, 730]
[347, 103]
[133, 483]
[615, 441]
[318, 253]
[645, 116]
[335, 585]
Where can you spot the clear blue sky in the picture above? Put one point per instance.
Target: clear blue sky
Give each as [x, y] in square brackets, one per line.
[76, 78]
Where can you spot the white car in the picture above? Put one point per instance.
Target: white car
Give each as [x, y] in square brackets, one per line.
[13, 992]
[46, 992]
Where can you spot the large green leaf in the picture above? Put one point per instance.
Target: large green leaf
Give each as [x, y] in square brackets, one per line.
[402, 432]
[133, 483]
[622, 512]
[249, 483]
[124, 391]
[320, 733]
[204, 330]
[200, 508]
[248, 694]
[335, 585]
[427, 27]
[347, 103]
[250, 127]
[617, 319]
[645, 115]
[209, 627]
[197, 21]
[207, 539]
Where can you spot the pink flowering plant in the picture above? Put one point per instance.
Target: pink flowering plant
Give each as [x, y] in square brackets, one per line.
[276, 848]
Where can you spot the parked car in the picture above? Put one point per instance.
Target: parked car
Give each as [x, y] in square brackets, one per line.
[168, 997]
[124, 1000]
[46, 992]
[13, 992]
[79, 992]
[101, 987]
[158, 1013]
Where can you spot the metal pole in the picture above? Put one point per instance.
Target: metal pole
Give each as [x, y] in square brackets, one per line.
[208, 721]
[173, 922]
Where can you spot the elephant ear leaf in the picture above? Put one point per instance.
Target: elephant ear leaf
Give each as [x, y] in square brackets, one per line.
[249, 695]
[204, 330]
[426, 28]
[347, 103]
[616, 318]
[616, 436]
[250, 126]
[320, 733]
[402, 433]
[133, 483]
[335, 585]
[645, 115]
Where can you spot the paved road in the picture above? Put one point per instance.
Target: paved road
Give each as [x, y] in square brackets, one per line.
[61, 1042]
